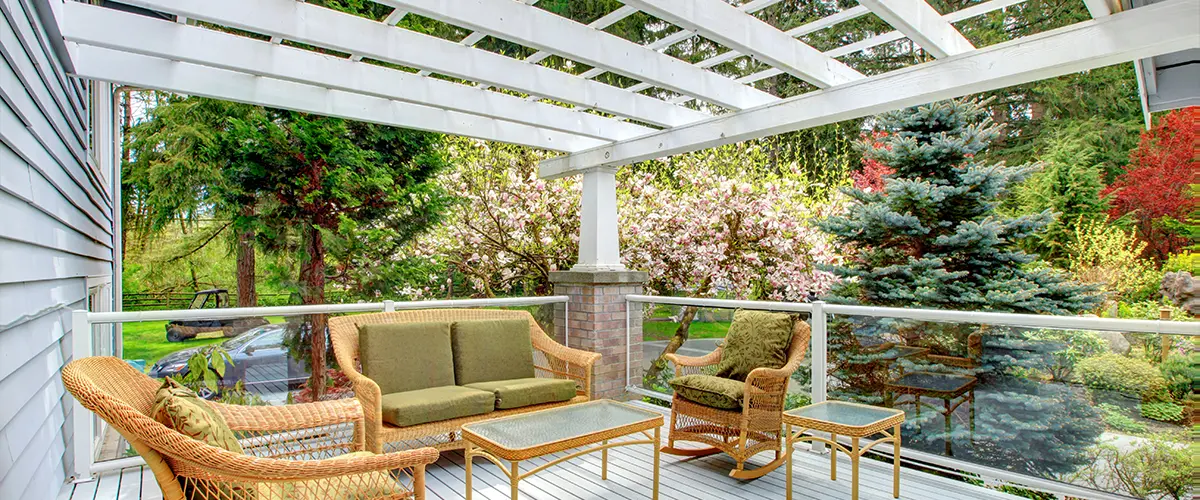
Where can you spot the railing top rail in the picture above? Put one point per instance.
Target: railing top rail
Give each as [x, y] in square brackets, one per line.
[987, 318]
[241, 312]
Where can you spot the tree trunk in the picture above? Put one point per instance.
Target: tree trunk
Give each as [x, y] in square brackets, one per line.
[677, 340]
[247, 291]
[312, 291]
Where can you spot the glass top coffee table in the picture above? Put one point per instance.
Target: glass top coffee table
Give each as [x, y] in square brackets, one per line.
[531, 435]
[848, 419]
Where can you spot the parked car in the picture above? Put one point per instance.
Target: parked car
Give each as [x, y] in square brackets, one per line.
[259, 359]
[215, 298]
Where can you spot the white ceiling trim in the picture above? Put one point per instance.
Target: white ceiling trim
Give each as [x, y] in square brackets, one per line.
[546, 31]
[301, 22]
[144, 35]
[1161, 28]
[174, 76]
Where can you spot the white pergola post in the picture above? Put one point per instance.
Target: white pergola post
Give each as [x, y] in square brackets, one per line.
[599, 241]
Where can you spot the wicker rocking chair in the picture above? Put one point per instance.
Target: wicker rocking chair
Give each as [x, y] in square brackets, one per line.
[306, 451]
[756, 428]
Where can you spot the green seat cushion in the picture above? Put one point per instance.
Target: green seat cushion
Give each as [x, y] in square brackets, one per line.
[527, 391]
[491, 349]
[434, 404]
[707, 390]
[756, 339]
[403, 357]
[180, 408]
[376, 484]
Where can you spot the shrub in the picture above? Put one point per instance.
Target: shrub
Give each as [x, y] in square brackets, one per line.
[1098, 252]
[1157, 468]
[1116, 418]
[1113, 372]
[1180, 371]
[1163, 411]
[796, 400]
[1067, 348]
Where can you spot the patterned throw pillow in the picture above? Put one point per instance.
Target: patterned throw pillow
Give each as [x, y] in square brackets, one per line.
[179, 408]
[756, 339]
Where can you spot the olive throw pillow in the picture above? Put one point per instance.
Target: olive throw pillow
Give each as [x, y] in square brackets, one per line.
[179, 408]
[756, 339]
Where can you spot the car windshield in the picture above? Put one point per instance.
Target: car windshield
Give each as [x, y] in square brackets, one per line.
[245, 338]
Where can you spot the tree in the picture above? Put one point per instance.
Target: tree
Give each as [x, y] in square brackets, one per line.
[1155, 188]
[1069, 185]
[344, 188]
[931, 238]
[176, 162]
[714, 224]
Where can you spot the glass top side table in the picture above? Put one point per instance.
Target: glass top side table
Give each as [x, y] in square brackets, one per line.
[853, 420]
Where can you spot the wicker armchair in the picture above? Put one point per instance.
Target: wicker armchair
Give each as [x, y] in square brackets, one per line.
[756, 428]
[550, 359]
[308, 451]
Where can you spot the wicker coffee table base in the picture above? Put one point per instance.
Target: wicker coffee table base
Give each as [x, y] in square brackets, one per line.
[514, 474]
[855, 452]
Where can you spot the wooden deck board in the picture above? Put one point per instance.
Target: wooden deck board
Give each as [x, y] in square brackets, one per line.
[629, 477]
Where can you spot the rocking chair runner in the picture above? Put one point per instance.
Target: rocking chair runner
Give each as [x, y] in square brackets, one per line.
[293, 452]
[755, 428]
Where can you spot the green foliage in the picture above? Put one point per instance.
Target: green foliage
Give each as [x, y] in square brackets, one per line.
[1156, 468]
[1181, 373]
[1067, 348]
[1150, 309]
[1186, 261]
[1106, 255]
[795, 400]
[1068, 185]
[206, 368]
[1116, 418]
[932, 238]
[1163, 411]
[1114, 372]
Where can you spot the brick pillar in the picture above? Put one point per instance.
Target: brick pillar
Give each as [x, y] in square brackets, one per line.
[597, 324]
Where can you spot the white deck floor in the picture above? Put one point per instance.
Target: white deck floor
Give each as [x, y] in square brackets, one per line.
[629, 477]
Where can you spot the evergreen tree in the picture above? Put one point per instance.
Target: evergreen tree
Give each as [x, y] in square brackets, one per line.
[932, 238]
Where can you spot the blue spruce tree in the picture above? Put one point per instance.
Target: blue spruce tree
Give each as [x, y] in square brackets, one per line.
[932, 238]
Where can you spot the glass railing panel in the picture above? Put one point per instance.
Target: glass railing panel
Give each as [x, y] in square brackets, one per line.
[1084, 407]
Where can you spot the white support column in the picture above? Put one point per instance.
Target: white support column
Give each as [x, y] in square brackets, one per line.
[820, 356]
[599, 241]
[81, 418]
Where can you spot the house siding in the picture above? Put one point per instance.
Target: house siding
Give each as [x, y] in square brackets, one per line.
[56, 230]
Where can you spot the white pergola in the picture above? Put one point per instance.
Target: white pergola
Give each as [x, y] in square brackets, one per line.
[398, 77]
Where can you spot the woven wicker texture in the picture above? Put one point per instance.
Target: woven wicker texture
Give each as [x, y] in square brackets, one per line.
[756, 428]
[550, 359]
[292, 452]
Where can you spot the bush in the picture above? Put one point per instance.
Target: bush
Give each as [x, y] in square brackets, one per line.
[1068, 347]
[1162, 411]
[796, 400]
[1113, 372]
[1116, 418]
[1180, 371]
[1157, 468]
[1100, 253]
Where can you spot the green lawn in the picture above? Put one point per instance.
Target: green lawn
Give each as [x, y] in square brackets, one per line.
[663, 330]
[147, 340]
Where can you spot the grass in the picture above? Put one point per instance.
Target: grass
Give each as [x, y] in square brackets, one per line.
[664, 330]
[147, 340]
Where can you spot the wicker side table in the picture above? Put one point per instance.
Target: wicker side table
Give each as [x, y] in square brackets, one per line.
[853, 420]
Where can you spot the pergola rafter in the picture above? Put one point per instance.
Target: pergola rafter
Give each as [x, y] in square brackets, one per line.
[294, 55]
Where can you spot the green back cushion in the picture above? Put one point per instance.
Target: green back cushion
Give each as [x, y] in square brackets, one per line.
[406, 356]
[714, 392]
[179, 408]
[756, 339]
[492, 349]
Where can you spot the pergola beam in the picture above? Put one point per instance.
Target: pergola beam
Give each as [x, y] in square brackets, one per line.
[921, 24]
[118, 30]
[174, 76]
[745, 33]
[310, 24]
[546, 31]
[1161, 28]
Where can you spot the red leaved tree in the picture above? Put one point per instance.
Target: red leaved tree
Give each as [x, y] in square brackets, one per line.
[870, 177]
[1155, 185]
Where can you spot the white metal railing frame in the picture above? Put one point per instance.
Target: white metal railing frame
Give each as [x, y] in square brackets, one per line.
[819, 313]
[84, 450]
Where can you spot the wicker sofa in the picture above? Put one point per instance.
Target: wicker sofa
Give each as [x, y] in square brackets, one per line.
[405, 429]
